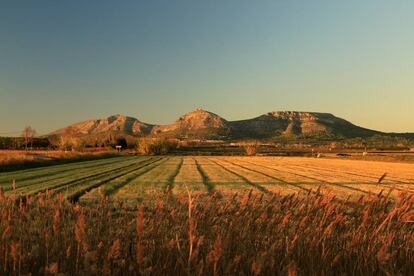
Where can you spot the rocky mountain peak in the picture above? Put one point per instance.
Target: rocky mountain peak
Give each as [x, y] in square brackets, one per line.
[203, 124]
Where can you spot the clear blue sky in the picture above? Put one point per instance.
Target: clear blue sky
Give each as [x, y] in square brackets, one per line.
[67, 61]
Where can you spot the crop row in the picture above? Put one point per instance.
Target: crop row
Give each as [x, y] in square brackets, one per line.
[137, 177]
[76, 177]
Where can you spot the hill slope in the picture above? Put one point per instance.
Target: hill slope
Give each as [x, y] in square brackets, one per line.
[196, 124]
[115, 123]
[290, 123]
[201, 124]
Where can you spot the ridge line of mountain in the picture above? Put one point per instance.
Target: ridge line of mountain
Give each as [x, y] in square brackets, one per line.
[202, 124]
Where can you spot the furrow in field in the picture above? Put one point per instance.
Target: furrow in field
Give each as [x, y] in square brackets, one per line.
[189, 178]
[205, 178]
[45, 172]
[336, 184]
[243, 178]
[281, 175]
[154, 181]
[252, 176]
[337, 179]
[72, 174]
[362, 172]
[258, 169]
[73, 177]
[226, 182]
[339, 188]
[379, 189]
[353, 180]
[22, 175]
[34, 189]
[161, 175]
[396, 172]
[346, 176]
[322, 185]
[149, 168]
[173, 176]
[289, 188]
[113, 182]
[151, 184]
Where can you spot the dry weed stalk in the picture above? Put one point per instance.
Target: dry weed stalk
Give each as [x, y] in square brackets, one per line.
[140, 232]
[190, 225]
[245, 234]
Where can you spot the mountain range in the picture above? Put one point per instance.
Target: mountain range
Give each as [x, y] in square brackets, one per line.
[202, 124]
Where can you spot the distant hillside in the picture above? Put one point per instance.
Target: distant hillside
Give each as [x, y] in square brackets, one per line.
[201, 124]
[288, 123]
[196, 124]
[116, 123]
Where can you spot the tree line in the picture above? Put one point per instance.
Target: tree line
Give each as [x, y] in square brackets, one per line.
[69, 140]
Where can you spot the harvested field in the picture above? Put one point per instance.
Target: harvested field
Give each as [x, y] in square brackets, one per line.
[136, 177]
[158, 215]
[21, 159]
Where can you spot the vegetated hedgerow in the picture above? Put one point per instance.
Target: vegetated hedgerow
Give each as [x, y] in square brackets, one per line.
[249, 235]
[250, 149]
[156, 146]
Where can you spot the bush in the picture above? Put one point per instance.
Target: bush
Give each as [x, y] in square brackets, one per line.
[250, 149]
[150, 146]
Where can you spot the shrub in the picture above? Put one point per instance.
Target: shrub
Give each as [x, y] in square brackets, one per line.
[150, 146]
[250, 149]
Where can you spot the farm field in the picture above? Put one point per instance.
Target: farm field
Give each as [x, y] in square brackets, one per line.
[13, 160]
[192, 215]
[136, 178]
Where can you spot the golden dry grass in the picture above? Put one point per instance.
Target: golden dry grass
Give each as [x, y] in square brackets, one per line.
[247, 234]
[209, 215]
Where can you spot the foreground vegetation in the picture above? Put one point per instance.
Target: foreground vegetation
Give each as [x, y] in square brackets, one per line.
[175, 215]
[247, 234]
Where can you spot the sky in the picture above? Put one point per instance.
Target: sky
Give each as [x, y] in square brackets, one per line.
[66, 61]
